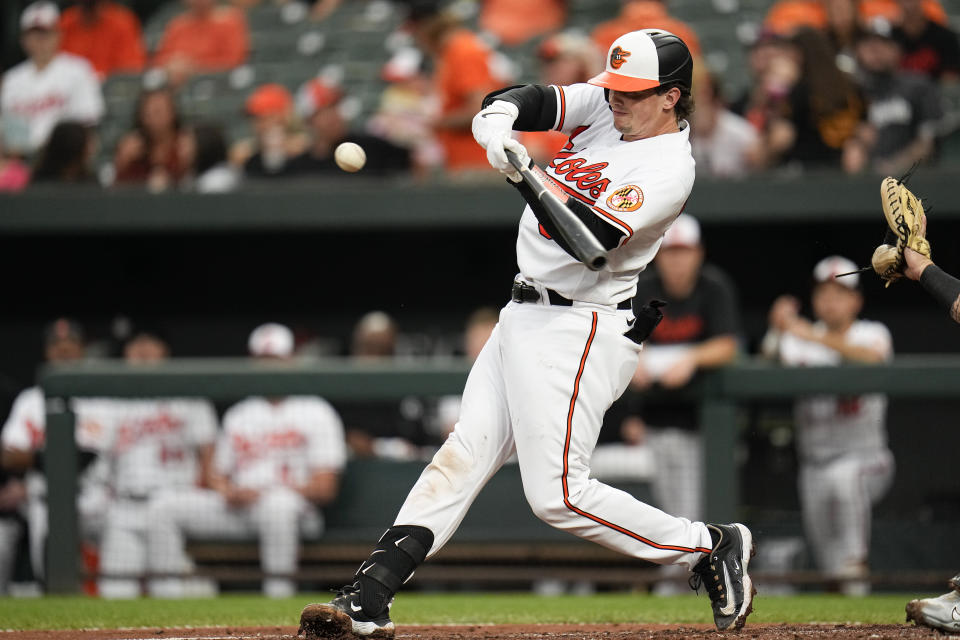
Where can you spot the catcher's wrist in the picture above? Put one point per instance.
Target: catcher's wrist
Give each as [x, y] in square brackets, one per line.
[944, 288]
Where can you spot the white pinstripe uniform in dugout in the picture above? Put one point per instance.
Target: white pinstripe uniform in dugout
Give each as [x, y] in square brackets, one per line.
[567, 343]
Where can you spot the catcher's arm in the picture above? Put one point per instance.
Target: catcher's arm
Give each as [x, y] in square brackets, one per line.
[944, 288]
[938, 283]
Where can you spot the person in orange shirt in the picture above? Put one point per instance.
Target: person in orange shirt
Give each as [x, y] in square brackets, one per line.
[462, 76]
[644, 14]
[566, 58]
[204, 38]
[105, 33]
[517, 22]
[786, 16]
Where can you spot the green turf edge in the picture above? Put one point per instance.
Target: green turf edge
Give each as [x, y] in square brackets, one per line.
[448, 608]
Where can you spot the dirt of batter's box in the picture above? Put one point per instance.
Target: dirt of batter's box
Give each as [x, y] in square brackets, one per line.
[512, 632]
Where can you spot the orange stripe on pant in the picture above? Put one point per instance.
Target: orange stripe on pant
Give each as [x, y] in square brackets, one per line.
[566, 452]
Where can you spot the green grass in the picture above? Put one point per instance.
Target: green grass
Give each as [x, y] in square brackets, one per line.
[414, 608]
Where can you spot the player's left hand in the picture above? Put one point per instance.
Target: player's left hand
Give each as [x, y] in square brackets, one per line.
[493, 129]
[679, 373]
[493, 123]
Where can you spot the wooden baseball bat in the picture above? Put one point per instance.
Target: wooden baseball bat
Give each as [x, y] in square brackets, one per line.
[574, 232]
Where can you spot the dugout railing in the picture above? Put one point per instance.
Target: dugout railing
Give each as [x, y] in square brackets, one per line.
[720, 394]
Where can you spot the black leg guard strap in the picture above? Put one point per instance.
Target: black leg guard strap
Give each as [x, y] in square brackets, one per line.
[398, 553]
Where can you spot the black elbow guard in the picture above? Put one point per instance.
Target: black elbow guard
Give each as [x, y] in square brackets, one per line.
[537, 105]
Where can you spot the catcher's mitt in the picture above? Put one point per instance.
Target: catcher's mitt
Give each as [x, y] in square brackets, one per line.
[904, 214]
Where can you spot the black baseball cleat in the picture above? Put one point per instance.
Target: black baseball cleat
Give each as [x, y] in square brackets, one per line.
[724, 574]
[344, 619]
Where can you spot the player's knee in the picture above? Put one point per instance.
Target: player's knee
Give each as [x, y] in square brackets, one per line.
[549, 506]
[280, 505]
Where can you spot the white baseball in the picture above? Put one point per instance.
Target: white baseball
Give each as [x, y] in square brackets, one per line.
[350, 156]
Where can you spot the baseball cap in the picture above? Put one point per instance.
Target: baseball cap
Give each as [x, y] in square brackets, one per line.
[271, 340]
[40, 15]
[316, 94]
[269, 99]
[684, 232]
[832, 266]
[62, 329]
[645, 59]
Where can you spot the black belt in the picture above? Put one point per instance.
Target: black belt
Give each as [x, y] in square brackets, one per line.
[523, 292]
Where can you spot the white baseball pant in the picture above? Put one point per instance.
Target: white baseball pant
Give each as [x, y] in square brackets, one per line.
[540, 387]
[837, 497]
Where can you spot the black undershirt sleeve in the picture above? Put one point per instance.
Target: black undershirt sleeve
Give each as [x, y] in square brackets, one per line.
[537, 104]
[944, 288]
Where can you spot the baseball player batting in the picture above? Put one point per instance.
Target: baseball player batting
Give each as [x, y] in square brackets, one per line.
[567, 343]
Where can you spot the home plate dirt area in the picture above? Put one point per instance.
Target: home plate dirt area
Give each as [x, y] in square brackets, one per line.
[508, 632]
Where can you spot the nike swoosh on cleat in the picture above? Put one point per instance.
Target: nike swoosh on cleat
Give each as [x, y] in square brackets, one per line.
[397, 542]
[354, 607]
[955, 614]
[731, 607]
[494, 113]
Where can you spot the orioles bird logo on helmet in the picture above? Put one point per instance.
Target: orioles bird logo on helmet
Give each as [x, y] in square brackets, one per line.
[617, 57]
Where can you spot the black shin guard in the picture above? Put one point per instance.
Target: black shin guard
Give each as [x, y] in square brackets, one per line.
[400, 550]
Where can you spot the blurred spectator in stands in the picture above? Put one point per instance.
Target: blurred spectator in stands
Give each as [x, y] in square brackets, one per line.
[644, 14]
[381, 428]
[277, 462]
[407, 108]
[724, 144]
[465, 70]
[321, 107]
[47, 87]
[105, 33]
[565, 58]
[929, 46]
[843, 29]
[149, 448]
[68, 155]
[147, 155]
[203, 151]
[205, 38]
[785, 17]
[14, 173]
[904, 109]
[277, 135]
[514, 23]
[845, 465]
[763, 53]
[809, 107]
[23, 438]
[480, 324]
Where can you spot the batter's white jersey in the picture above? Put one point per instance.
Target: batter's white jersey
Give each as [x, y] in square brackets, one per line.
[152, 444]
[35, 100]
[828, 426]
[271, 443]
[638, 187]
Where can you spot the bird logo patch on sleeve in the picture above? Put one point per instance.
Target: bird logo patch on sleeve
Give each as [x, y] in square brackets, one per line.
[628, 198]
